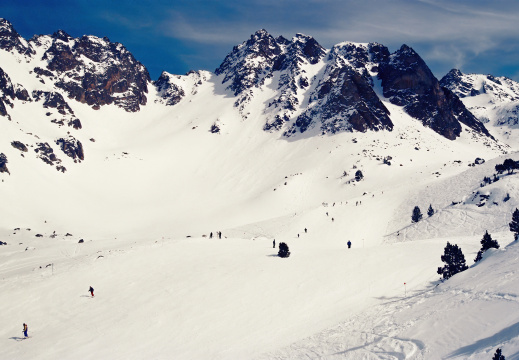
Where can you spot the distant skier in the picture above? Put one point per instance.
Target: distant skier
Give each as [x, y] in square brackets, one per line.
[219, 234]
[274, 243]
[211, 235]
[91, 291]
[25, 329]
[349, 244]
[306, 230]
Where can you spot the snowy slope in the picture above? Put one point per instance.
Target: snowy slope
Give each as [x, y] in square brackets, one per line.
[155, 183]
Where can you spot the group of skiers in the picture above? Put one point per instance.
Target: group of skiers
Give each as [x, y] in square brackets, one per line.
[26, 328]
[218, 234]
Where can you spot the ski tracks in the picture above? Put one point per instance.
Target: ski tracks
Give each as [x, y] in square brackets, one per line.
[372, 334]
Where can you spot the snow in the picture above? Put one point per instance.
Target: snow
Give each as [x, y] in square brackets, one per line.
[155, 183]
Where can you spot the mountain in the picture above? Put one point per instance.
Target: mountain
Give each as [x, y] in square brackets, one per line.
[493, 100]
[114, 181]
[296, 86]
[334, 90]
[88, 69]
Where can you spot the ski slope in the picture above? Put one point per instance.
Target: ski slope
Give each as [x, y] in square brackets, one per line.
[154, 184]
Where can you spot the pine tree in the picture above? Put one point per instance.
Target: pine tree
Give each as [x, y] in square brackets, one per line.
[488, 243]
[417, 214]
[454, 261]
[498, 355]
[283, 250]
[430, 211]
[479, 256]
[514, 225]
[358, 175]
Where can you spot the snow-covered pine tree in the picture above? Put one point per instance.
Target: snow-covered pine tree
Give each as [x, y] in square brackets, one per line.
[430, 211]
[283, 250]
[417, 214]
[514, 224]
[498, 355]
[454, 261]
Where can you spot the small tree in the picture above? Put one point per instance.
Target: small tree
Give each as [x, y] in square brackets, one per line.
[417, 214]
[454, 261]
[514, 224]
[358, 175]
[500, 168]
[486, 243]
[430, 211]
[498, 355]
[509, 165]
[283, 250]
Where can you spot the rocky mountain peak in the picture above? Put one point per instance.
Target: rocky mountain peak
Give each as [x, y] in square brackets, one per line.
[94, 70]
[489, 98]
[407, 81]
[10, 39]
[309, 47]
[61, 35]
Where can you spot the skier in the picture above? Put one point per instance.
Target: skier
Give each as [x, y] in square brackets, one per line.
[91, 291]
[306, 231]
[219, 234]
[349, 244]
[211, 235]
[25, 329]
[274, 244]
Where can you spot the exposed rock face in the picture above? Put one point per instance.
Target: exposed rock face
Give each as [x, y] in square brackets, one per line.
[408, 82]
[170, 92]
[54, 100]
[340, 95]
[3, 164]
[173, 88]
[9, 92]
[251, 62]
[93, 70]
[10, 40]
[345, 102]
[19, 145]
[46, 153]
[498, 97]
[72, 148]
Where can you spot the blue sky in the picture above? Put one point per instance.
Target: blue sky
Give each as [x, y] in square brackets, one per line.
[476, 36]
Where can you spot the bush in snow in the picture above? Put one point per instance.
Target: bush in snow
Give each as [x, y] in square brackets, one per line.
[215, 129]
[454, 261]
[430, 211]
[514, 224]
[486, 243]
[283, 250]
[358, 175]
[498, 355]
[417, 214]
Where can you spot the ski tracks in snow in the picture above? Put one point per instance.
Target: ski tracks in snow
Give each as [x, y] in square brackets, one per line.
[372, 334]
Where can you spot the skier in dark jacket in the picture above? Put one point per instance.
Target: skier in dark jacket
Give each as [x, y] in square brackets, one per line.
[25, 329]
[274, 243]
[349, 244]
[91, 291]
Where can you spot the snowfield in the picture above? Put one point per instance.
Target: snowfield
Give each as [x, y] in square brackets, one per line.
[156, 183]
